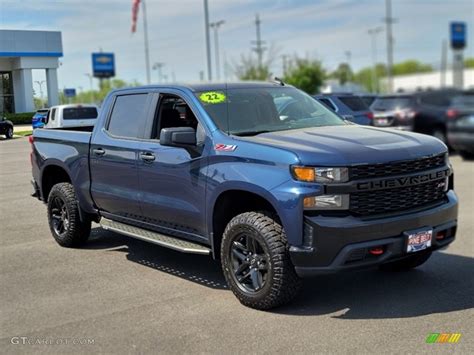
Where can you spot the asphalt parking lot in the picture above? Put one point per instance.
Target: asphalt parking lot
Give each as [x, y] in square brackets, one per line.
[120, 295]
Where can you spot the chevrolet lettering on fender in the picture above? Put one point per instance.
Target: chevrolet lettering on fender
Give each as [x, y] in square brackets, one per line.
[403, 181]
[258, 175]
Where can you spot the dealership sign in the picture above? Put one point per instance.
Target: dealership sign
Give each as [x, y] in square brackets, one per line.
[458, 35]
[70, 92]
[103, 65]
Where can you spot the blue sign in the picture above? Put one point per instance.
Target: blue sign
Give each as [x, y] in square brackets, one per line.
[103, 65]
[70, 92]
[458, 35]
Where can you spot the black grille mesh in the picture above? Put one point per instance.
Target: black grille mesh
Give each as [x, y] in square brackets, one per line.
[397, 199]
[397, 168]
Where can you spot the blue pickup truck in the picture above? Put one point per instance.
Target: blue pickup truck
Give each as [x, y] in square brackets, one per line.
[275, 196]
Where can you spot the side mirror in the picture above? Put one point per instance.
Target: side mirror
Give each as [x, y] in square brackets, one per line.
[178, 136]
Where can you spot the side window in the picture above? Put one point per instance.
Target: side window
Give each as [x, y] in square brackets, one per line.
[327, 103]
[53, 114]
[128, 116]
[173, 111]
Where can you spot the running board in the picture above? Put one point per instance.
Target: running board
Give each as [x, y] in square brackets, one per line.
[154, 237]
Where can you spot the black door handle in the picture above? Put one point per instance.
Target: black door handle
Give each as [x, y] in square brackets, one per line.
[147, 157]
[98, 151]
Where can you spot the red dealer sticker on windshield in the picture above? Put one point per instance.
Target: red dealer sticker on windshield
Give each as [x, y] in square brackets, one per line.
[225, 147]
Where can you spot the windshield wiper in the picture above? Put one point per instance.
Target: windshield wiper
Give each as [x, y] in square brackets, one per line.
[250, 133]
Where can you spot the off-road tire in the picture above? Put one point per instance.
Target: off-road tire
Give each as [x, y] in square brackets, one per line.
[77, 231]
[408, 263]
[282, 283]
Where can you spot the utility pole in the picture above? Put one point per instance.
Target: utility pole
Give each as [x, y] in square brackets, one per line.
[284, 59]
[40, 84]
[215, 26]
[158, 66]
[147, 51]
[373, 35]
[90, 76]
[259, 48]
[389, 20]
[208, 41]
[444, 63]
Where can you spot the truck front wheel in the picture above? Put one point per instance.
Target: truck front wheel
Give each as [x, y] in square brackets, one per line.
[408, 263]
[256, 262]
[64, 218]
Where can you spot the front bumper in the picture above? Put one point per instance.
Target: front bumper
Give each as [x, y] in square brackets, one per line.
[341, 243]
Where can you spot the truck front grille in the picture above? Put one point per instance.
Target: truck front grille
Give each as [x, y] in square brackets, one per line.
[396, 168]
[397, 199]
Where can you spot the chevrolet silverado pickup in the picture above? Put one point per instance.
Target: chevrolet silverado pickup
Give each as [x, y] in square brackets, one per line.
[276, 196]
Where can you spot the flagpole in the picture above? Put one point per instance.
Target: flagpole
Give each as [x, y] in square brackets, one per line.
[147, 51]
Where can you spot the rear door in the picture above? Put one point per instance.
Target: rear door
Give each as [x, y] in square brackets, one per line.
[113, 157]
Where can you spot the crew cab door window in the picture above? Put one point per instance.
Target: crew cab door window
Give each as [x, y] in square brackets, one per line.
[129, 116]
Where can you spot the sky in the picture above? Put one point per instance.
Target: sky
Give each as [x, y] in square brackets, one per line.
[319, 29]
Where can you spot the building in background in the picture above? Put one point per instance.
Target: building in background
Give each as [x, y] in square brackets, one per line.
[20, 53]
[433, 80]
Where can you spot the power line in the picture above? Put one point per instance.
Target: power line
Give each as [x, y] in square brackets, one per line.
[208, 40]
[389, 20]
[259, 44]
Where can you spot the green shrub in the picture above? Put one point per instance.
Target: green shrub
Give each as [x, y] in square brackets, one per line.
[20, 118]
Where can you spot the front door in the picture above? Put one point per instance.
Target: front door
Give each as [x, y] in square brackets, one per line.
[172, 187]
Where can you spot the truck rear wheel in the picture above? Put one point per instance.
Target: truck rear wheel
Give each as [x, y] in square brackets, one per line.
[408, 263]
[64, 218]
[256, 262]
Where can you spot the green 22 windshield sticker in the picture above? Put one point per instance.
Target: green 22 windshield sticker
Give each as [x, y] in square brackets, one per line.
[212, 97]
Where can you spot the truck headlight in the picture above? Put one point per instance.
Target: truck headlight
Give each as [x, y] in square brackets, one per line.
[322, 175]
[327, 202]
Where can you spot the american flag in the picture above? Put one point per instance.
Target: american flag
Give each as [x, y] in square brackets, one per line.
[135, 7]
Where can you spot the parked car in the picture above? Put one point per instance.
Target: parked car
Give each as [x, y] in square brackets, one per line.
[422, 112]
[349, 106]
[6, 127]
[77, 115]
[274, 197]
[368, 98]
[461, 124]
[39, 118]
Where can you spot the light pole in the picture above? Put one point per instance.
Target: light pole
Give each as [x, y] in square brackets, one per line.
[90, 76]
[215, 26]
[40, 84]
[373, 35]
[208, 40]
[157, 66]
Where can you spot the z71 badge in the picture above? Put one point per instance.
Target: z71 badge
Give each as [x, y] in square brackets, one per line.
[224, 147]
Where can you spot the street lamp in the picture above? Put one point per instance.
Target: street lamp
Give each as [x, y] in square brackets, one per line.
[215, 26]
[40, 84]
[157, 66]
[373, 32]
[90, 76]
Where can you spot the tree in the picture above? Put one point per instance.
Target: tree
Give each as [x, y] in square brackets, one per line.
[411, 66]
[248, 69]
[365, 77]
[469, 63]
[306, 74]
[343, 73]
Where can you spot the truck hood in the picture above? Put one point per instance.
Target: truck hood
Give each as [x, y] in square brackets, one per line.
[352, 144]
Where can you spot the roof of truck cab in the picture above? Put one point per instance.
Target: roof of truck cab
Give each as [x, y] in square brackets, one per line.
[198, 87]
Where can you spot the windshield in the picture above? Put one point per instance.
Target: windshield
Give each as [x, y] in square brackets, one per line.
[250, 111]
[390, 103]
[464, 100]
[79, 113]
